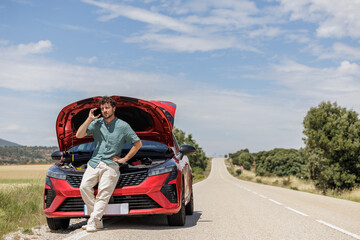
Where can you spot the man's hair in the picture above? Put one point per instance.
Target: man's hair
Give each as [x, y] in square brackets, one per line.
[107, 99]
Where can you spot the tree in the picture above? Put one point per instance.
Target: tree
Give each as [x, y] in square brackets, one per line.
[281, 162]
[242, 157]
[198, 159]
[332, 146]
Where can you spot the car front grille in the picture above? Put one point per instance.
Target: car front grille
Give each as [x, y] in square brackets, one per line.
[76, 204]
[126, 179]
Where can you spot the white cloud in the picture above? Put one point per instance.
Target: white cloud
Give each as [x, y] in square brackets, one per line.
[334, 18]
[189, 43]
[338, 51]
[178, 26]
[75, 28]
[318, 83]
[138, 14]
[349, 69]
[4, 42]
[270, 32]
[86, 60]
[11, 128]
[40, 47]
[35, 48]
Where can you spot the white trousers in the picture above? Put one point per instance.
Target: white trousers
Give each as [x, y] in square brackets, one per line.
[107, 177]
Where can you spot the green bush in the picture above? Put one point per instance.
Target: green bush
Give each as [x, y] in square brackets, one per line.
[281, 162]
[242, 158]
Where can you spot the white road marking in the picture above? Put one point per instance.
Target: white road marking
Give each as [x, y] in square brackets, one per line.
[339, 229]
[262, 196]
[298, 212]
[278, 203]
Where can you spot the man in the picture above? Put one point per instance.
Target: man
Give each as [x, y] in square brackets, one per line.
[110, 134]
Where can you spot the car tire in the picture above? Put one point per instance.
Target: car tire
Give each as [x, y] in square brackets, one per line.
[58, 223]
[189, 209]
[178, 219]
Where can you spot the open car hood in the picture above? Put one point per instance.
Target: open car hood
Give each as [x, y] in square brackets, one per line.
[151, 120]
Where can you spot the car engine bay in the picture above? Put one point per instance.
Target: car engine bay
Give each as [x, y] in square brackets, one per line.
[133, 165]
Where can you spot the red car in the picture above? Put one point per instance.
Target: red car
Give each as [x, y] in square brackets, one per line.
[157, 180]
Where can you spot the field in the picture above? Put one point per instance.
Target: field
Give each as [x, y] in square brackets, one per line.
[36, 171]
[21, 197]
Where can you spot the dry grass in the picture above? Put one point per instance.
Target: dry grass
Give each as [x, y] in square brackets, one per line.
[21, 207]
[353, 195]
[36, 171]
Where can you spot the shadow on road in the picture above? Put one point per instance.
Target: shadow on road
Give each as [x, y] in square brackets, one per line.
[152, 222]
[147, 222]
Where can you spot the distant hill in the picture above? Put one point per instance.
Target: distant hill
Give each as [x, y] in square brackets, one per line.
[25, 155]
[8, 143]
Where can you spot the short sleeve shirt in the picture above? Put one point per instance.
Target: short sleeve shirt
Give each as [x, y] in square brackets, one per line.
[109, 139]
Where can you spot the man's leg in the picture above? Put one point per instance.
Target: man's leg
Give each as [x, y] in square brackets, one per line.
[89, 180]
[108, 179]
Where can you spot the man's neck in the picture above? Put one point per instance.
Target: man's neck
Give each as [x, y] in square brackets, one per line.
[108, 120]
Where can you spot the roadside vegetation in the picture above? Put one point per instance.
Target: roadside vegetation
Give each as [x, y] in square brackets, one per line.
[198, 161]
[329, 164]
[21, 205]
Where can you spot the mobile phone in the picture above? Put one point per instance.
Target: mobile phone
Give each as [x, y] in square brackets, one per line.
[97, 112]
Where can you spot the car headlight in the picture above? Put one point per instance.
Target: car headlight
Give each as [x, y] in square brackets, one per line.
[55, 172]
[163, 168]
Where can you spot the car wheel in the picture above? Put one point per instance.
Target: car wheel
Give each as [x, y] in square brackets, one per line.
[178, 219]
[58, 223]
[189, 209]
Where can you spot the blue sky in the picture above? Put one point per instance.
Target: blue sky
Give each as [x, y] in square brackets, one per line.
[242, 73]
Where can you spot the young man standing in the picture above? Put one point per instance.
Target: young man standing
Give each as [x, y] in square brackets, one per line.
[110, 134]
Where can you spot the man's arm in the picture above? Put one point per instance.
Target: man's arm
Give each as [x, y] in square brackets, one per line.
[133, 150]
[82, 129]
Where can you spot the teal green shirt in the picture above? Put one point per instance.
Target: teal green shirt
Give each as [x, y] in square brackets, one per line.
[109, 139]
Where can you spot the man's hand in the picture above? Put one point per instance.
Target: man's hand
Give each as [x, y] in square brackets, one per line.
[91, 114]
[81, 132]
[119, 159]
[133, 150]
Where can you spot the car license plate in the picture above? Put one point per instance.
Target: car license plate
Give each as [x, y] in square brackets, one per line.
[113, 209]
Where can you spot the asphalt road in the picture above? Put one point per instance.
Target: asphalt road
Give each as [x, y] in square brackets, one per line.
[228, 208]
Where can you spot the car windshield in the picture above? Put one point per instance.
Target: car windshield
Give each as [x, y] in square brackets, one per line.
[147, 146]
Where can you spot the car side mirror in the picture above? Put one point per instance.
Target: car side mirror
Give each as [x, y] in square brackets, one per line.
[187, 149]
[57, 155]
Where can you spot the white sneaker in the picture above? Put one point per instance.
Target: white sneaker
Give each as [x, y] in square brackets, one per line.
[91, 228]
[98, 225]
